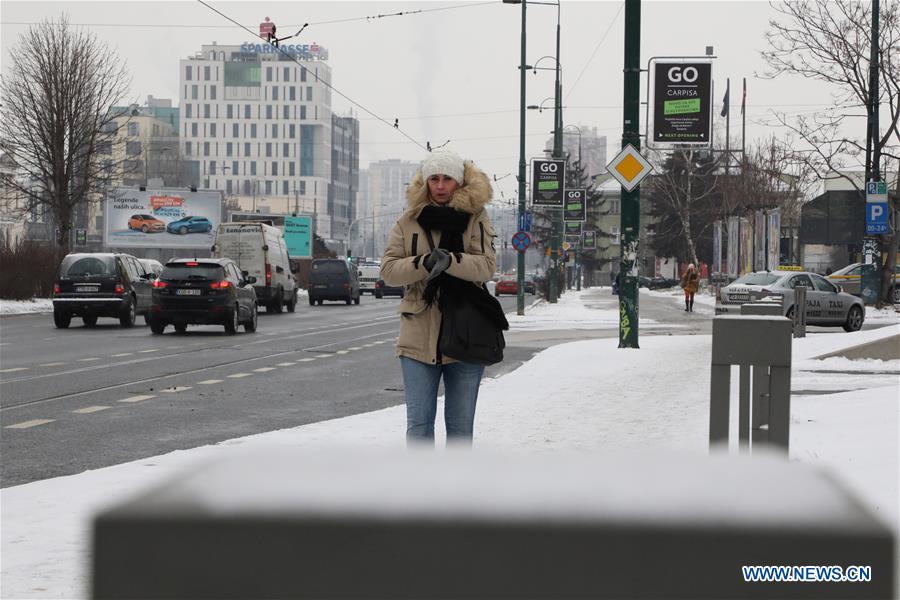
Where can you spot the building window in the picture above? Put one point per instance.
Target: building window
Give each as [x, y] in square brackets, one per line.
[284, 188]
[235, 130]
[307, 146]
[206, 111]
[187, 148]
[234, 168]
[253, 167]
[193, 92]
[615, 207]
[292, 131]
[274, 168]
[205, 73]
[205, 148]
[229, 149]
[104, 148]
[303, 112]
[193, 130]
[275, 93]
[286, 111]
[268, 150]
[287, 74]
[268, 111]
[292, 93]
[189, 111]
[212, 130]
[132, 148]
[309, 93]
[268, 188]
[246, 148]
[285, 150]
[212, 167]
[302, 73]
[291, 169]
[252, 130]
[302, 188]
[268, 73]
[228, 187]
[274, 131]
[133, 129]
[229, 111]
[187, 73]
[246, 111]
[614, 235]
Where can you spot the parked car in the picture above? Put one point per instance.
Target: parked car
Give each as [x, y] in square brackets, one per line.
[208, 291]
[530, 287]
[382, 289]
[151, 266]
[146, 223]
[92, 285]
[187, 225]
[333, 279]
[661, 283]
[260, 250]
[826, 304]
[369, 274]
[507, 285]
[850, 280]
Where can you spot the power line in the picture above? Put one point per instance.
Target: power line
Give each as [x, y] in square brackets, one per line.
[325, 83]
[597, 47]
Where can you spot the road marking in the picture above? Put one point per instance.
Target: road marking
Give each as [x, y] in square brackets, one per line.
[238, 375]
[88, 359]
[197, 344]
[263, 369]
[342, 351]
[285, 364]
[209, 381]
[306, 359]
[148, 351]
[90, 409]
[368, 345]
[28, 424]
[13, 370]
[132, 399]
[123, 354]
[354, 348]
[54, 364]
[324, 355]
[174, 347]
[176, 389]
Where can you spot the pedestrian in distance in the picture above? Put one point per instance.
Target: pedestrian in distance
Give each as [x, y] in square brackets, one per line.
[441, 248]
[690, 283]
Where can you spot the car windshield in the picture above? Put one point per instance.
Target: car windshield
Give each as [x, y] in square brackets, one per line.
[758, 279]
[848, 270]
[87, 266]
[330, 266]
[186, 272]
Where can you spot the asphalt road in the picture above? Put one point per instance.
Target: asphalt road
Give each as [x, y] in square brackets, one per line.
[84, 398]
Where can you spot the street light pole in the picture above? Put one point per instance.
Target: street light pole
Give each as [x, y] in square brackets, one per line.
[556, 228]
[520, 256]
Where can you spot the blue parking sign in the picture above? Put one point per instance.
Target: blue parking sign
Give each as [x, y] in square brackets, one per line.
[876, 217]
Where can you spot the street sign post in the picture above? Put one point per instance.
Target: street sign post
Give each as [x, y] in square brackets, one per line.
[876, 207]
[575, 208]
[521, 241]
[682, 102]
[81, 237]
[629, 167]
[589, 240]
[547, 182]
[573, 229]
[525, 221]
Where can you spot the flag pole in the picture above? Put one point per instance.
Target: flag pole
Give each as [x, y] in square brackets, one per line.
[727, 126]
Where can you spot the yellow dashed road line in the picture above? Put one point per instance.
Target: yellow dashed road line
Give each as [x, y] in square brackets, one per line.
[29, 424]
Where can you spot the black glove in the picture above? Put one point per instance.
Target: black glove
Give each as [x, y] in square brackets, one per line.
[437, 262]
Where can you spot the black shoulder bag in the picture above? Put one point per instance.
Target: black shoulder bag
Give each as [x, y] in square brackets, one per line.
[472, 328]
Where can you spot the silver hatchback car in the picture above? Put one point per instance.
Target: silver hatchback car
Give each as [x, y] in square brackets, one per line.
[826, 303]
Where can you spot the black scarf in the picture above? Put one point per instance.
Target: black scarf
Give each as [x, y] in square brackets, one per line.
[452, 224]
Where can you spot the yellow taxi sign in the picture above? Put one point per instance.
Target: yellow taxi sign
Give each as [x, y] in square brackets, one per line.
[789, 268]
[629, 167]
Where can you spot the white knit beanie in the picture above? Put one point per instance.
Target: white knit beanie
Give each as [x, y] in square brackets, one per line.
[444, 162]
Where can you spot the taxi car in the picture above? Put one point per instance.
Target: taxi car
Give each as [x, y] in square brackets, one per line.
[826, 303]
[850, 278]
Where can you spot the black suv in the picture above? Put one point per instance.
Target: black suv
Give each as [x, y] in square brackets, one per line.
[333, 279]
[92, 285]
[207, 291]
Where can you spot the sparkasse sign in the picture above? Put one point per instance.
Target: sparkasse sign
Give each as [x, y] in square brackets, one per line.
[682, 102]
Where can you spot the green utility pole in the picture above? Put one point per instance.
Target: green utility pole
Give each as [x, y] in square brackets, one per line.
[556, 229]
[520, 256]
[631, 214]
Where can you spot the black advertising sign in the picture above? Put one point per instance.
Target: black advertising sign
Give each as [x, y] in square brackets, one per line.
[573, 228]
[589, 240]
[574, 207]
[682, 102]
[547, 182]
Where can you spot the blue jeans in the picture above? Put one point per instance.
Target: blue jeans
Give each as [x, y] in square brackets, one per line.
[420, 382]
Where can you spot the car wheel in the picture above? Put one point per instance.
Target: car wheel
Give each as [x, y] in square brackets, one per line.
[89, 320]
[349, 301]
[145, 229]
[895, 295]
[292, 304]
[183, 230]
[61, 319]
[312, 301]
[231, 325]
[180, 327]
[156, 327]
[319, 302]
[129, 314]
[250, 326]
[854, 319]
[356, 300]
[146, 318]
[790, 313]
[378, 295]
[278, 303]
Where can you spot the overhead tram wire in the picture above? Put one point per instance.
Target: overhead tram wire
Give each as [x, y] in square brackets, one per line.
[325, 83]
[594, 53]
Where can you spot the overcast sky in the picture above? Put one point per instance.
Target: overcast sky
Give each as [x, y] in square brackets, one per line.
[450, 73]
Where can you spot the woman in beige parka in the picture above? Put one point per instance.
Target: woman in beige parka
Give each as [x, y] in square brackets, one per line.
[442, 244]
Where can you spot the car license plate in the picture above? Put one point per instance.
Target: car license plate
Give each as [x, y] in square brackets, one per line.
[738, 297]
[87, 289]
[192, 292]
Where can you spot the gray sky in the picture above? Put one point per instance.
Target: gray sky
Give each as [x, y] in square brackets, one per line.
[451, 74]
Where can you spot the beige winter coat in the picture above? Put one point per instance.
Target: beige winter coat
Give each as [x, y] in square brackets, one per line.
[408, 246]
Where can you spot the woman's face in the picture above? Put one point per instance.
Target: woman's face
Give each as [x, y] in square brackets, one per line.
[441, 188]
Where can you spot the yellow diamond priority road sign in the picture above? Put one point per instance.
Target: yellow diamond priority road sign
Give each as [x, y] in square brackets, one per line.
[629, 167]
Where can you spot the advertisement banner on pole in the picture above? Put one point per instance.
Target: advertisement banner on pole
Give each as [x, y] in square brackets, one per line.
[547, 182]
[298, 236]
[734, 246]
[573, 228]
[589, 240]
[717, 247]
[759, 241]
[575, 208]
[746, 251]
[161, 218]
[682, 102]
[774, 239]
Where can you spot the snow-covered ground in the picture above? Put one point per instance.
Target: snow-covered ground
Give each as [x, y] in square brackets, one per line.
[584, 395]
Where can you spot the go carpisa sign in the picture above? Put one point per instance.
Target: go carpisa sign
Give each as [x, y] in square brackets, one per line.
[547, 182]
[682, 102]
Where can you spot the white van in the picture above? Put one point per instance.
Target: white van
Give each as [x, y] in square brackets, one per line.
[260, 251]
[369, 273]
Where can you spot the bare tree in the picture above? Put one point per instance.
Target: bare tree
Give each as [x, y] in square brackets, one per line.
[55, 117]
[830, 41]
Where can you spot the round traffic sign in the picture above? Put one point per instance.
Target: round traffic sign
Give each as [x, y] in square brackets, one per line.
[521, 241]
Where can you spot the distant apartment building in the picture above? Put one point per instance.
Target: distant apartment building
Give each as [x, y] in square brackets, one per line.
[259, 123]
[591, 145]
[386, 195]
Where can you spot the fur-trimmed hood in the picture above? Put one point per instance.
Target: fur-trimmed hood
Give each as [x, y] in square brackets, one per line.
[471, 197]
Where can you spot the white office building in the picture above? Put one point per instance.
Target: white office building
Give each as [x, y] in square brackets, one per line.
[386, 200]
[260, 125]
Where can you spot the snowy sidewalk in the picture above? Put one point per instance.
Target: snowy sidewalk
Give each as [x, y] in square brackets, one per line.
[585, 395]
